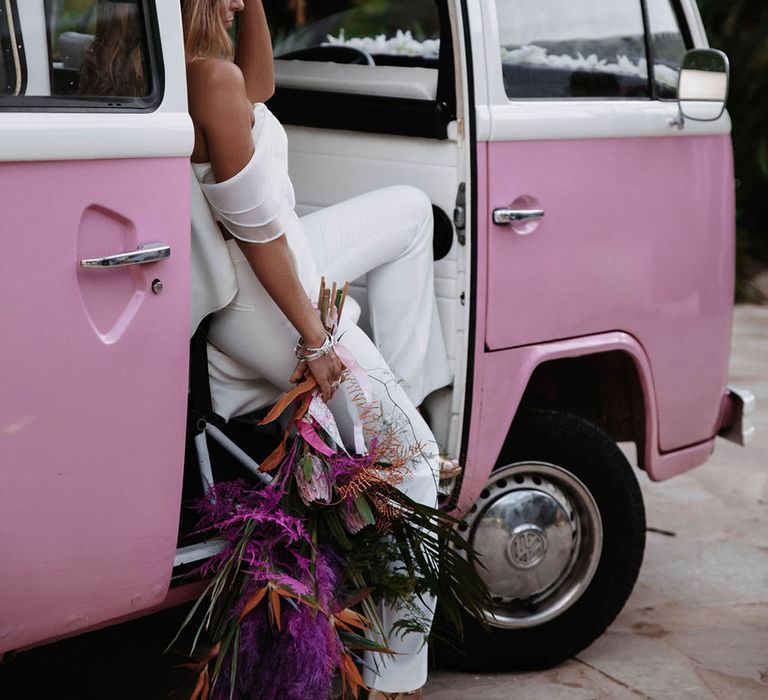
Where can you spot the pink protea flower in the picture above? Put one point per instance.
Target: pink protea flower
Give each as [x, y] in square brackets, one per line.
[313, 479]
[356, 513]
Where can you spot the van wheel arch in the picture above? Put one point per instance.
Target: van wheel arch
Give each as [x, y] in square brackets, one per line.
[604, 388]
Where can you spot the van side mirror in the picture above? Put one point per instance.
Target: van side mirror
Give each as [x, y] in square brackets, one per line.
[702, 87]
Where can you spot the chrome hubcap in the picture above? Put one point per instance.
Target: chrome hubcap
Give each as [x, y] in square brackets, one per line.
[539, 534]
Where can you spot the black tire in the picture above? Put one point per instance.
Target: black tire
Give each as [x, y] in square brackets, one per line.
[586, 452]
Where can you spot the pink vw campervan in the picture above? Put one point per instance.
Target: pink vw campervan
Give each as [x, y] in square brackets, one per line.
[579, 160]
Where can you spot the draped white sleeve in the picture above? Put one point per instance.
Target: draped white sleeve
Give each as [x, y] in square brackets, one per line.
[214, 283]
[254, 205]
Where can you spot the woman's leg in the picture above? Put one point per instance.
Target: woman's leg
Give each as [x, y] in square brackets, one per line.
[257, 342]
[387, 234]
[407, 669]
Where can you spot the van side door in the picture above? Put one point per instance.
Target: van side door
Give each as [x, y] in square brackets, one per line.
[625, 220]
[94, 250]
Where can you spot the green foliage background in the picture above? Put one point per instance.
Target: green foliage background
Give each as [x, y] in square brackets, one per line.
[740, 28]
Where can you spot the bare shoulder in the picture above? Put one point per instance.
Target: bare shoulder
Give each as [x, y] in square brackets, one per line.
[212, 73]
[222, 115]
[216, 87]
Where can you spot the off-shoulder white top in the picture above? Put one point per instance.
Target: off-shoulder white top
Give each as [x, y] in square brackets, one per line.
[257, 204]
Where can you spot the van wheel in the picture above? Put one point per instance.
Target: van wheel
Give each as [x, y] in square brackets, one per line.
[561, 532]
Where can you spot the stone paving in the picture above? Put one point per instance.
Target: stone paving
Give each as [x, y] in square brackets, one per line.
[696, 626]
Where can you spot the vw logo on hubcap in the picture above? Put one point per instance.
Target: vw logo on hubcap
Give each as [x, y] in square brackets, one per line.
[527, 546]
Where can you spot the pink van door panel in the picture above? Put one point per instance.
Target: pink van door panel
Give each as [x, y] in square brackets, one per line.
[94, 381]
[637, 236]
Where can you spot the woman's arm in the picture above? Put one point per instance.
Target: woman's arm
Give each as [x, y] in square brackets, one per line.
[254, 52]
[273, 265]
[222, 114]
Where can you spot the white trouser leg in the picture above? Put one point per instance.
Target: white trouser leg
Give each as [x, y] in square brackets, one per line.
[407, 670]
[387, 234]
[259, 341]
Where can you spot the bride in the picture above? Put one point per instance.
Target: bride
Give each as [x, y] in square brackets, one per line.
[270, 336]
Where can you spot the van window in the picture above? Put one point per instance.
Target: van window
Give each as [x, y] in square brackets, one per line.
[397, 42]
[387, 33]
[97, 49]
[380, 66]
[668, 46]
[84, 54]
[567, 49]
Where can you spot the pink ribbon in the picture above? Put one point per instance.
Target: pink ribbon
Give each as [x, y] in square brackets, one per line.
[363, 381]
[360, 375]
[309, 433]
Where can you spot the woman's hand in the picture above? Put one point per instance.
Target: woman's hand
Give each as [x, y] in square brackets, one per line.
[326, 370]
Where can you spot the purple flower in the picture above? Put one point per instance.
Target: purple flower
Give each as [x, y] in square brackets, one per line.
[297, 659]
[295, 662]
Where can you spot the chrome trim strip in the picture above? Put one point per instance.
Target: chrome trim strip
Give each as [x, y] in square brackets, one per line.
[14, 44]
[197, 552]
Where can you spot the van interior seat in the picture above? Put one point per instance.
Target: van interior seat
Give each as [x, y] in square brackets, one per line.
[72, 46]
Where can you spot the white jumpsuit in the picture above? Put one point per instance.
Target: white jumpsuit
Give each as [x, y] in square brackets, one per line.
[387, 235]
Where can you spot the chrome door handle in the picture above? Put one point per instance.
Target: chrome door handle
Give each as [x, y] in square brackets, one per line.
[510, 216]
[148, 253]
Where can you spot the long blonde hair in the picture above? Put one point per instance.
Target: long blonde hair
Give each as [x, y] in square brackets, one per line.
[205, 35]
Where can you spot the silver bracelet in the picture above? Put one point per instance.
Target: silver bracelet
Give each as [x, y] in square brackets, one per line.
[307, 354]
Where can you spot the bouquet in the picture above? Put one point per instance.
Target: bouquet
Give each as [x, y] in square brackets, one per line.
[309, 553]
